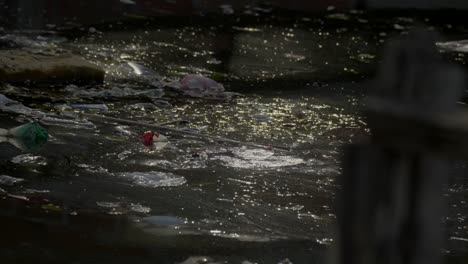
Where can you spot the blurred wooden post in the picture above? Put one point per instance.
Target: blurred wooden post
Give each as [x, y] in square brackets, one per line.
[391, 206]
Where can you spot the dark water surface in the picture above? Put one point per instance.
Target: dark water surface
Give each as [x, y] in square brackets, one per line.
[96, 194]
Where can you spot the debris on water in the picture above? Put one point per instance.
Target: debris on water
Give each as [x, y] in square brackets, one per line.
[295, 57]
[116, 211]
[398, 27]
[29, 159]
[138, 208]
[198, 260]
[154, 179]
[124, 154]
[249, 154]
[324, 241]
[199, 86]
[123, 130]
[363, 57]
[112, 208]
[285, 261]
[12, 106]
[154, 139]
[257, 159]
[9, 181]
[19, 197]
[455, 46]
[313, 216]
[34, 191]
[68, 123]
[90, 106]
[27, 137]
[108, 204]
[459, 239]
[135, 72]
[128, 2]
[93, 168]
[52, 207]
[163, 220]
[214, 61]
[227, 9]
[18, 41]
[247, 29]
[143, 107]
[162, 104]
[297, 207]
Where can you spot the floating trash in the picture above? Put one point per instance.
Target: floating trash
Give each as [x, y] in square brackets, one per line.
[163, 220]
[27, 137]
[93, 168]
[154, 139]
[184, 162]
[124, 154]
[198, 260]
[34, 191]
[162, 104]
[199, 86]
[29, 159]
[67, 123]
[112, 208]
[257, 159]
[285, 261]
[295, 57]
[135, 72]
[459, 239]
[19, 197]
[214, 61]
[9, 181]
[252, 154]
[12, 106]
[154, 179]
[128, 2]
[138, 208]
[108, 204]
[456, 46]
[398, 27]
[123, 130]
[297, 207]
[17, 41]
[52, 207]
[247, 29]
[324, 241]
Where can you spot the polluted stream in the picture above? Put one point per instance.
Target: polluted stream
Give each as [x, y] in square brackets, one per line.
[99, 188]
